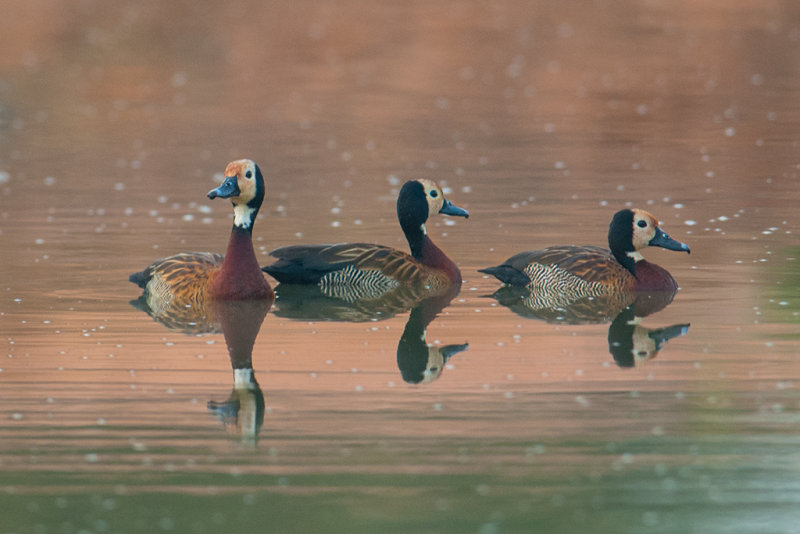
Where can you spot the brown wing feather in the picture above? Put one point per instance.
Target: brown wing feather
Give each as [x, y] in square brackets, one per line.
[592, 264]
[183, 277]
[307, 264]
[394, 263]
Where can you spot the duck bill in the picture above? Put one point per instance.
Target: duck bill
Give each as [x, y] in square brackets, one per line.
[227, 189]
[662, 335]
[448, 208]
[661, 239]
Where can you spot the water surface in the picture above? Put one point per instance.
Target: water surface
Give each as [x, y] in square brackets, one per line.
[542, 119]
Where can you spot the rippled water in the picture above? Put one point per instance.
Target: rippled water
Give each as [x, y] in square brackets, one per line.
[540, 118]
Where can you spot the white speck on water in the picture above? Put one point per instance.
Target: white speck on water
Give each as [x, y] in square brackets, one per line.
[336, 224]
[16, 416]
[179, 79]
[4, 177]
[641, 109]
[39, 241]
[92, 457]
[689, 222]
[188, 217]
[756, 79]
[49, 180]
[730, 131]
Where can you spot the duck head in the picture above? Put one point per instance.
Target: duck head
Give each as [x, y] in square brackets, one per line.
[418, 200]
[244, 185]
[632, 230]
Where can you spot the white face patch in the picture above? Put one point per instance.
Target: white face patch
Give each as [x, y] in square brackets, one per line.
[242, 215]
[423, 228]
[433, 195]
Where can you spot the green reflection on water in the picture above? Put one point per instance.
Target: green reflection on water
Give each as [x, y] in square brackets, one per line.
[717, 482]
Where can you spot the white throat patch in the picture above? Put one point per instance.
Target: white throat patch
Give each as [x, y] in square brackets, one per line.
[243, 378]
[636, 255]
[242, 215]
[424, 230]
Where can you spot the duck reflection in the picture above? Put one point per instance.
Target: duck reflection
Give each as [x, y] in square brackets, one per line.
[632, 344]
[310, 303]
[242, 413]
[628, 342]
[418, 361]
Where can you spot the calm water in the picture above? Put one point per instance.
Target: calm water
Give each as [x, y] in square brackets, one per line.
[540, 118]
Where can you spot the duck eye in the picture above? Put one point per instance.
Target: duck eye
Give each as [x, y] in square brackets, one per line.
[248, 174]
[642, 223]
[434, 193]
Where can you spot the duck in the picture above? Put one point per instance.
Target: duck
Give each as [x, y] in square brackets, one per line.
[191, 278]
[570, 273]
[362, 271]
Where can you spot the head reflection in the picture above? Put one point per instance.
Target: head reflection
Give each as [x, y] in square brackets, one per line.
[419, 362]
[632, 344]
[242, 414]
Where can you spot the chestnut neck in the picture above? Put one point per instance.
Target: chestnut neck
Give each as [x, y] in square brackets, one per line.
[652, 277]
[240, 276]
[434, 257]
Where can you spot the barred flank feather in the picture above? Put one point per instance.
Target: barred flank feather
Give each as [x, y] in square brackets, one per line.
[352, 284]
[562, 287]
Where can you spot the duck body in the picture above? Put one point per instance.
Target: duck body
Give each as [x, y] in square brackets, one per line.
[570, 272]
[190, 278]
[356, 271]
